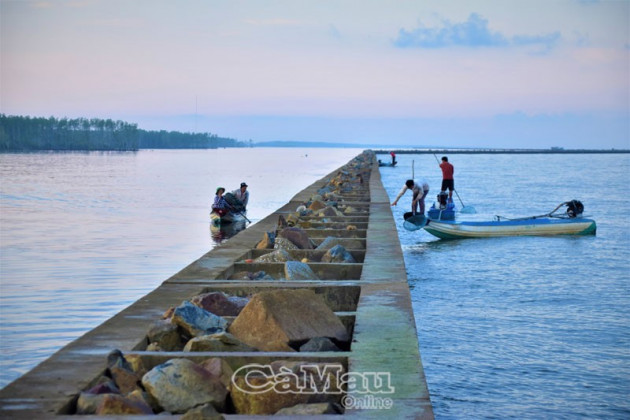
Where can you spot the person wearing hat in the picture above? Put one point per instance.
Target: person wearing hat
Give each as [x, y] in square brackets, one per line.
[220, 206]
[242, 194]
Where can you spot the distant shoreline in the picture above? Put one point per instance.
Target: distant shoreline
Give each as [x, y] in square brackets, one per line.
[498, 151]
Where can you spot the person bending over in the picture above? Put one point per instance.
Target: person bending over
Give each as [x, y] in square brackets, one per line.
[419, 190]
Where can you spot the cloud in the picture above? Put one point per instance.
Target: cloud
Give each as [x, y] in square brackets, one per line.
[473, 33]
[545, 42]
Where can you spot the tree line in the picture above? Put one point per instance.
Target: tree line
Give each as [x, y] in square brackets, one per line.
[19, 133]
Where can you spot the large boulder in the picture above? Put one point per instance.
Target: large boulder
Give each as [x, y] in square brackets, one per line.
[253, 395]
[219, 303]
[219, 368]
[338, 254]
[317, 205]
[329, 212]
[197, 321]
[114, 404]
[165, 335]
[203, 412]
[87, 403]
[298, 236]
[279, 255]
[275, 319]
[122, 373]
[297, 270]
[284, 243]
[180, 384]
[331, 241]
[267, 241]
[217, 342]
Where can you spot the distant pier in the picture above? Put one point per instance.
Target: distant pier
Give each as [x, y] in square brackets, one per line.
[490, 151]
[368, 292]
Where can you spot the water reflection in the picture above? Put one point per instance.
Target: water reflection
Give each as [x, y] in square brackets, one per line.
[222, 233]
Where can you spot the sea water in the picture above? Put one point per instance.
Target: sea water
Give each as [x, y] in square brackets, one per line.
[523, 327]
[508, 327]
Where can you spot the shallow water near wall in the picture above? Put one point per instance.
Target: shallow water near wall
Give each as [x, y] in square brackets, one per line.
[523, 327]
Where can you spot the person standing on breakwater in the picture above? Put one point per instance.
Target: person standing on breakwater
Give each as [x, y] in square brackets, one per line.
[447, 177]
[220, 206]
[242, 194]
[419, 190]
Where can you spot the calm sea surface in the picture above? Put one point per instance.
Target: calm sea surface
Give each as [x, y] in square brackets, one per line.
[524, 327]
[84, 235]
[508, 327]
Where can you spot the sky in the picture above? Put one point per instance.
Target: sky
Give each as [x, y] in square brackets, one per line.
[446, 73]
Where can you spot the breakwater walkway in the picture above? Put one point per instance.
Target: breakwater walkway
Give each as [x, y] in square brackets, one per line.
[306, 312]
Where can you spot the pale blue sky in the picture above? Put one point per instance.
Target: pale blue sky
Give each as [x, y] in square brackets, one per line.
[451, 73]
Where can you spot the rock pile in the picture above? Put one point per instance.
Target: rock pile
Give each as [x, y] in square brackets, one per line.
[288, 320]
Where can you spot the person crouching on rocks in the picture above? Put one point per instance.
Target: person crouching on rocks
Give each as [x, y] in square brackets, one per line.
[220, 206]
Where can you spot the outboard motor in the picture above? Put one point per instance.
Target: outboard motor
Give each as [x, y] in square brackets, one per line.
[442, 199]
[574, 208]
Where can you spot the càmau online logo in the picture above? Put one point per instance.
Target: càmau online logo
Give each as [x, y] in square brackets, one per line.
[310, 379]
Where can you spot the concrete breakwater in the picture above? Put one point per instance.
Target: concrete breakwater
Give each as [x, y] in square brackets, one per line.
[307, 311]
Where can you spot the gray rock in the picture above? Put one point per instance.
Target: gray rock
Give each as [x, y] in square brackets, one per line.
[284, 243]
[217, 342]
[220, 304]
[180, 384]
[329, 211]
[296, 270]
[338, 254]
[197, 321]
[114, 404]
[267, 241]
[203, 412]
[279, 255]
[296, 235]
[165, 335]
[88, 403]
[331, 241]
[319, 344]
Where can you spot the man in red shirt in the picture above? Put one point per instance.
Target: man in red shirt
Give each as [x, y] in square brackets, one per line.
[447, 177]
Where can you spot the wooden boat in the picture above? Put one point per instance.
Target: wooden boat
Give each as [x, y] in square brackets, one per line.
[570, 223]
[390, 164]
[229, 217]
[236, 214]
[220, 232]
[448, 229]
